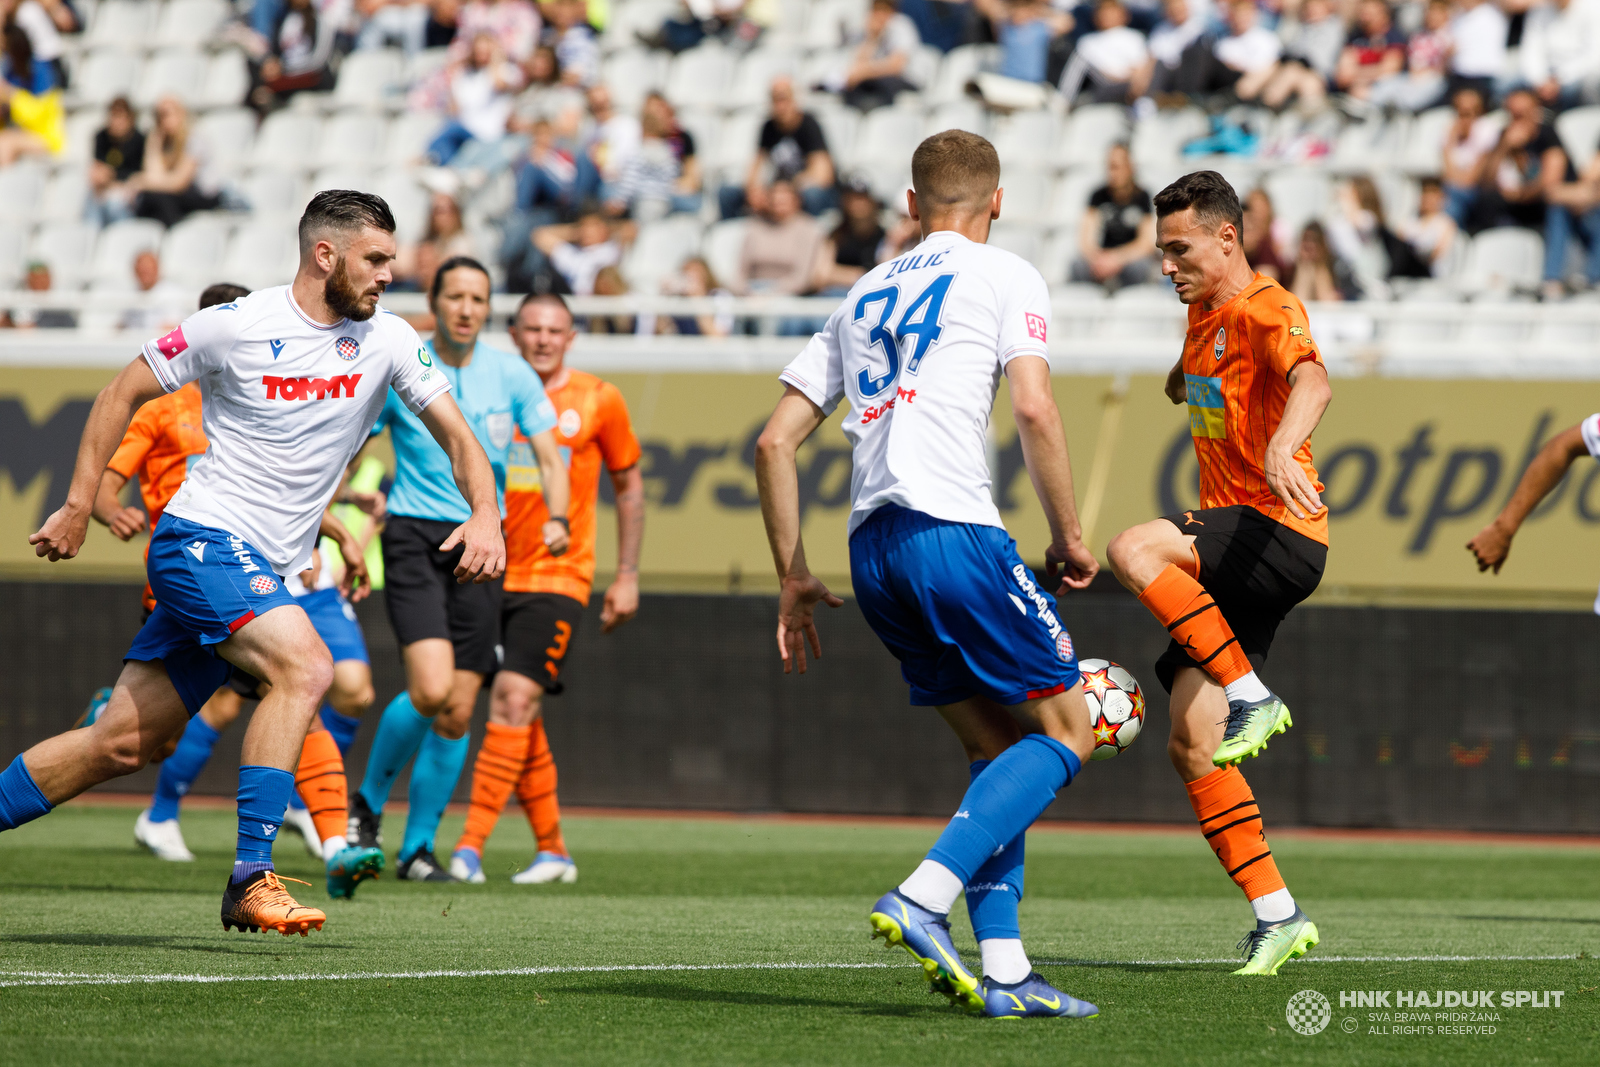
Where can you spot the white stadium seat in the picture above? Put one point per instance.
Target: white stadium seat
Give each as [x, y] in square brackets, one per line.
[13, 238]
[190, 22]
[81, 128]
[659, 251]
[409, 135]
[65, 246]
[119, 243]
[407, 200]
[722, 245]
[64, 194]
[1027, 194]
[227, 80]
[832, 23]
[352, 177]
[958, 115]
[737, 144]
[888, 133]
[271, 192]
[839, 125]
[177, 72]
[287, 140]
[1016, 237]
[104, 75]
[125, 24]
[368, 78]
[705, 126]
[351, 138]
[260, 255]
[957, 68]
[1156, 141]
[192, 250]
[1094, 128]
[20, 185]
[228, 135]
[700, 77]
[1027, 137]
[425, 63]
[1503, 259]
[1298, 195]
[633, 73]
[1580, 134]
[752, 77]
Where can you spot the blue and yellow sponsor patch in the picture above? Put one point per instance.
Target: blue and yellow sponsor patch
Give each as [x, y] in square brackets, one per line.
[1205, 407]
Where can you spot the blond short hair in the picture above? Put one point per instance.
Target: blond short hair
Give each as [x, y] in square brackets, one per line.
[954, 167]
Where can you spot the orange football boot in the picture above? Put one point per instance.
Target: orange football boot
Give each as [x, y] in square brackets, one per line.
[260, 902]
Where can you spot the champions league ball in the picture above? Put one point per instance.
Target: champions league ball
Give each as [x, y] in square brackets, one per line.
[1116, 706]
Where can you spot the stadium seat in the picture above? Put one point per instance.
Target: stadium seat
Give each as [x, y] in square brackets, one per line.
[705, 126]
[118, 244]
[369, 79]
[1027, 194]
[1078, 292]
[20, 185]
[66, 246]
[636, 16]
[1424, 142]
[1071, 196]
[752, 77]
[1580, 134]
[81, 128]
[13, 239]
[633, 73]
[407, 200]
[287, 140]
[949, 84]
[737, 144]
[1016, 237]
[121, 24]
[1373, 145]
[959, 115]
[228, 134]
[839, 125]
[889, 178]
[271, 192]
[425, 63]
[179, 72]
[409, 134]
[887, 133]
[1503, 259]
[351, 138]
[830, 24]
[192, 250]
[659, 251]
[342, 177]
[261, 254]
[1156, 141]
[102, 76]
[190, 22]
[64, 194]
[1027, 137]
[1092, 129]
[700, 77]
[227, 80]
[1298, 195]
[721, 246]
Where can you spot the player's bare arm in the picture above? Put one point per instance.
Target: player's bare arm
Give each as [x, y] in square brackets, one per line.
[62, 533]
[1044, 451]
[109, 511]
[373, 503]
[795, 419]
[557, 491]
[1309, 394]
[356, 583]
[1177, 388]
[485, 556]
[622, 596]
[1493, 543]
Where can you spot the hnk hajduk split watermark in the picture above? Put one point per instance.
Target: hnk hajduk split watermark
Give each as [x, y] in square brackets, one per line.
[1420, 1012]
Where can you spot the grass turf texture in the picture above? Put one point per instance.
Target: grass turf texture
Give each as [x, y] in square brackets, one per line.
[77, 896]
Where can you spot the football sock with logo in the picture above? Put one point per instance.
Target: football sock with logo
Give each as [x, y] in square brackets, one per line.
[1231, 821]
[500, 762]
[179, 770]
[536, 789]
[1002, 802]
[400, 733]
[20, 798]
[1195, 622]
[263, 798]
[342, 727]
[433, 779]
[321, 783]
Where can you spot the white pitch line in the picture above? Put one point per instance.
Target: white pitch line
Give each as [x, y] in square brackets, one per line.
[66, 978]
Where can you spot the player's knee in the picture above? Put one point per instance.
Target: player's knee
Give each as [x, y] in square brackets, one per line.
[308, 675]
[120, 752]
[452, 726]
[430, 698]
[1123, 552]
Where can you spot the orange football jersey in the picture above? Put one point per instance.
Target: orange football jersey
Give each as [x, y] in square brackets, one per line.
[592, 430]
[164, 437]
[1236, 364]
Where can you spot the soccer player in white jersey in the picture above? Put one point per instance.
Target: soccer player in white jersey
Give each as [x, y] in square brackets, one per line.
[292, 378]
[917, 349]
[1493, 543]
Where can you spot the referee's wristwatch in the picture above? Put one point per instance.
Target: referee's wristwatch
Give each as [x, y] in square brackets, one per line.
[562, 519]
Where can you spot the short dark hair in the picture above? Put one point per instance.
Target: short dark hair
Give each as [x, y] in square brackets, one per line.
[954, 167]
[455, 263]
[1209, 193]
[343, 210]
[221, 293]
[553, 299]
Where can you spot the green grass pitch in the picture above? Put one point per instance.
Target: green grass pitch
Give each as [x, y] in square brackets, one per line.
[710, 941]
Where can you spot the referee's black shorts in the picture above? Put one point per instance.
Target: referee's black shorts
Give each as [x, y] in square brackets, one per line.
[1255, 568]
[425, 600]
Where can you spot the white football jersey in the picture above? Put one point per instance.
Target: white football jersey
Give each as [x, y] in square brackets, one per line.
[286, 403]
[917, 348]
[1590, 428]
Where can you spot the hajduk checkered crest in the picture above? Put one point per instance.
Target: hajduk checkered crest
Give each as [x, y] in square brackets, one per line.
[1308, 1012]
[348, 348]
[263, 585]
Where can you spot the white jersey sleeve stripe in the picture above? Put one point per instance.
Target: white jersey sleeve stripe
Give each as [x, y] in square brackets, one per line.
[158, 366]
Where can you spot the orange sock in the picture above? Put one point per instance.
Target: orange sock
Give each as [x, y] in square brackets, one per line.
[1231, 821]
[494, 775]
[320, 779]
[537, 791]
[1195, 622]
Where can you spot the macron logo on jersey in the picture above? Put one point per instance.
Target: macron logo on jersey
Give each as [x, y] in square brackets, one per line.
[307, 388]
[198, 550]
[1036, 326]
[173, 344]
[277, 347]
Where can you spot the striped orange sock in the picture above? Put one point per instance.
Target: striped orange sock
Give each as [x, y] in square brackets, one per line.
[1195, 622]
[320, 780]
[1231, 821]
[494, 776]
[537, 791]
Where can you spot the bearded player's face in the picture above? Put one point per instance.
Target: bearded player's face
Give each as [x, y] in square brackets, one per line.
[360, 275]
[1193, 255]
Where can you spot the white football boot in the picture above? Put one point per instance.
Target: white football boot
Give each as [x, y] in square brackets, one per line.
[299, 820]
[164, 839]
[547, 867]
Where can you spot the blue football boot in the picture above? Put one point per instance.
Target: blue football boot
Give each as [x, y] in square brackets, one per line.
[926, 935]
[1032, 996]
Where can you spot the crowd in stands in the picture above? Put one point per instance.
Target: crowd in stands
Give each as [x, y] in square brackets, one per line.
[747, 147]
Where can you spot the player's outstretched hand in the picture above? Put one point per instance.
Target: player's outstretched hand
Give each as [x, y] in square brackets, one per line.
[356, 583]
[1288, 480]
[796, 628]
[556, 538]
[61, 535]
[1491, 547]
[126, 522]
[622, 602]
[1076, 564]
[484, 558]
[1177, 387]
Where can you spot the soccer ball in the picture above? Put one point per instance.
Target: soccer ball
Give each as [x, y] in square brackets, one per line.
[1116, 706]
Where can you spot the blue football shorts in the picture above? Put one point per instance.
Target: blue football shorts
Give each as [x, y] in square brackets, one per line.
[207, 583]
[959, 609]
[335, 621]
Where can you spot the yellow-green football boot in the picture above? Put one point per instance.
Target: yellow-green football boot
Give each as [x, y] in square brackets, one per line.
[926, 935]
[1271, 945]
[1249, 726]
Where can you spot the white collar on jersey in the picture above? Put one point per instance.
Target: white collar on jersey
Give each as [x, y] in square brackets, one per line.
[288, 292]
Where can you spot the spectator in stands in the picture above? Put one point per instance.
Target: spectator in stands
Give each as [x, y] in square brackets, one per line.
[118, 157]
[1433, 234]
[1319, 275]
[793, 147]
[480, 104]
[578, 252]
[1479, 32]
[904, 234]
[1422, 84]
[881, 61]
[1573, 210]
[1560, 55]
[1260, 239]
[44, 21]
[1181, 27]
[35, 121]
[695, 278]
[781, 245]
[445, 238]
[853, 247]
[1244, 61]
[298, 56]
[512, 24]
[38, 281]
[1376, 51]
[1105, 63]
[394, 23]
[1527, 160]
[942, 24]
[175, 182]
[613, 137]
[1359, 234]
[165, 304]
[444, 17]
[1117, 234]
[1467, 145]
[609, 282]
[696, 20]
[1310, 57]
[577, 51]
[1025, 30]
[663, 174]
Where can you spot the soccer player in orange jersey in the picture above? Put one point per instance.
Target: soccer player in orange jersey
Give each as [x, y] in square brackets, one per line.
[545, 595]
[1221, 578]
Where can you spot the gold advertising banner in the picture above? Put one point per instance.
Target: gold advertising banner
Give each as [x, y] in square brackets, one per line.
[1413, 467]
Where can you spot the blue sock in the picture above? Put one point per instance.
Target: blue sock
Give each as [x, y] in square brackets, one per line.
[400, 732]
[1003, 802]
[295, 802]
[342, 727]
[20, 799]
[433, 779]
[263, 797]
[179, 770]
[996, 887]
